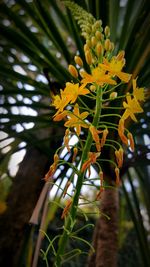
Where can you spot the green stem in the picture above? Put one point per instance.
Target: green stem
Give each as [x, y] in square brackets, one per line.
[71, 218]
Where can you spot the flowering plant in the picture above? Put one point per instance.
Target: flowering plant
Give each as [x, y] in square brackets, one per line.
[84, 105]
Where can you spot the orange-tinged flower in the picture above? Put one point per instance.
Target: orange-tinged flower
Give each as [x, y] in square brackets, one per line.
[114, 68]
[73, 71]
[98, 76]
[138, 92]
[66, 188]
[66, 140]
[66, 209]
[117, 172]
[121, 130]
[119, 157]
[95, 136]
[99, 194]
[132, 106]
[60, 116]
[92, 156]
[77, 120]
[131, 140]
[75, 152]
[52, 168]
[101, 175]
[104, 136]
[72, 91]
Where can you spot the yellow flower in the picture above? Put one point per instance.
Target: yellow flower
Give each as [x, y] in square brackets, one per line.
[114, 68]
[60, 102]
[138, 92]
[132, 106]
[72, 91]
[98, 76]
[68, 95]
[77, 120]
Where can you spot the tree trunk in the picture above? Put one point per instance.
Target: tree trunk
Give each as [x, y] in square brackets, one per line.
[105, 238]
[21, 201]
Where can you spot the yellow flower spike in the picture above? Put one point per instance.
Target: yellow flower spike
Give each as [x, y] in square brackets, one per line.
[76, 120]
[117, 172]
[131, 140]
[73, 71]
[121, 130]
[114, 68]
[92, 156]
[132, 106]
[104, 136]
[78, 61]
[52, 168]
[66, 209]
[88, 57]
[66, 139]
[95, 136]
[138, 92]
[75, 152]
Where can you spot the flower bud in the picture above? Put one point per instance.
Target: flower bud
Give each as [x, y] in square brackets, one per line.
[92, 87]
[107, 45]
[98, 24]
[112, 46]
[98, 35]
[99, 49]
[88, 57]
[86, 48]
[93, 41]
[107, 31]
[73, 71]
[88, 42]
[113, 95]
[78, 61]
